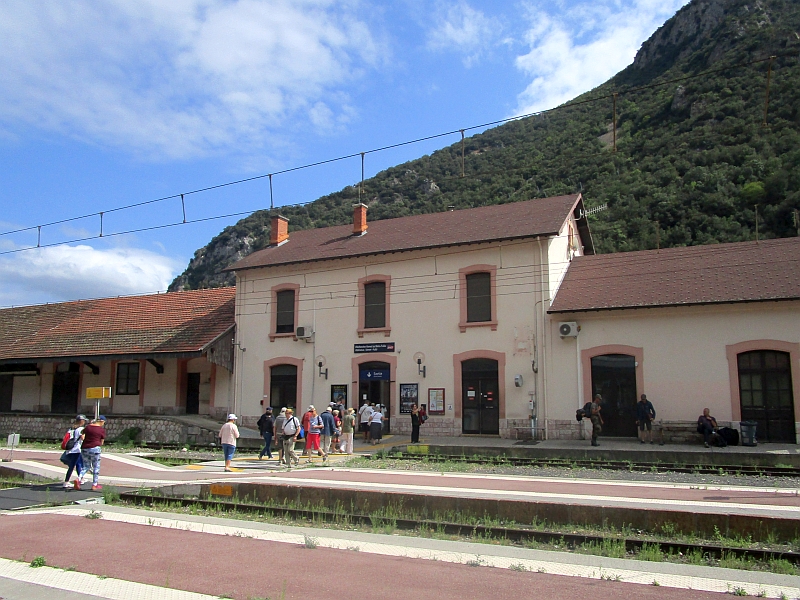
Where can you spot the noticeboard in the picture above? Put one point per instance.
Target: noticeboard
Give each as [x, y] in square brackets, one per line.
[96, 393]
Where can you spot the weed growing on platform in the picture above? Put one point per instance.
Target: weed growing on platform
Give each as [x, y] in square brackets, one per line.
[518, 567]
[607, 547]
[650, 552]
[310, 542]
[738, 591]
[37, 562]
[93, 514]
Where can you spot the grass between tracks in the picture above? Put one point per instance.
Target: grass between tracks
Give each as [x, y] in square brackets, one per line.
[384, 521]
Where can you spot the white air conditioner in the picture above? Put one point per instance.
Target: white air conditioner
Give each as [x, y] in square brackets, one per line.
[304, 333]
[569, 329]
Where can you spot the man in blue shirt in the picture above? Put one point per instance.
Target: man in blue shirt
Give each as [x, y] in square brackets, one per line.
[645, 413]
[329, 426]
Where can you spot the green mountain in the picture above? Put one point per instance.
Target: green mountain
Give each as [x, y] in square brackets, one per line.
[693, 161]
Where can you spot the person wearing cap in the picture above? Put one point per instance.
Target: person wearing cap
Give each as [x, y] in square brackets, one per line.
[304, 422]
[289, 431]
[73, 454]
[80, 469]
[645, 414]
[327, 431]
[228, 436]
[94, 436]
[266, 426]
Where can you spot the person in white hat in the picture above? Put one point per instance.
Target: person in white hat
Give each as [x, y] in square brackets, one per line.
[228, 435]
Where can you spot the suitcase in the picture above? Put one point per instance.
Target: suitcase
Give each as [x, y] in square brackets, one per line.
[731, 436]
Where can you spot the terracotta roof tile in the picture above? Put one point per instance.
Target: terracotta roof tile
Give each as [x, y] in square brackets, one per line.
[739, 272]
[543, 216]
[162, 323]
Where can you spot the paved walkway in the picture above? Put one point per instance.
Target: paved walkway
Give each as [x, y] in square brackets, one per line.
[132, 471]
[241, 559]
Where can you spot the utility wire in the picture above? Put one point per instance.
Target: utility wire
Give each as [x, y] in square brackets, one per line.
[349, 156]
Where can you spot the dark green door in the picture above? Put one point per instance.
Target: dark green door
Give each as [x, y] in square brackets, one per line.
[66, 387]
[480, 398]
[765, 393]
[614, 378]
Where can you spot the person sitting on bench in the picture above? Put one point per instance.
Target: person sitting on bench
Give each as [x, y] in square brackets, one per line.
[707, 425]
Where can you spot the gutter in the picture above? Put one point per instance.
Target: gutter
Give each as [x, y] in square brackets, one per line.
[672, 305]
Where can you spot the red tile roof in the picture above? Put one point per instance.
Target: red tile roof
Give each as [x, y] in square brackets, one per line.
[739, 272]
[178, 322]
[530, 218]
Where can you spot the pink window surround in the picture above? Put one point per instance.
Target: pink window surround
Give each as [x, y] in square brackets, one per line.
[734, 350]
[212, 396]
[274, 312]
[283, 360]
[182, 382]
[462, 293]
[387, 329]
[356, 363]
[142, 376]
[500, 357]
[586, 367]
[142, 368]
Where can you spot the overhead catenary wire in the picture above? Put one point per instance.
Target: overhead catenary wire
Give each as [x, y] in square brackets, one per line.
[461, 131]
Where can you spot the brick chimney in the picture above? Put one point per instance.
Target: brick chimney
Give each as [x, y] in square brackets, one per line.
[359, 219]
[279, 230]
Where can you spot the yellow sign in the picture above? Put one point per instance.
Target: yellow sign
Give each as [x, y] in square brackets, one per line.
[221, 490]
[95, 393]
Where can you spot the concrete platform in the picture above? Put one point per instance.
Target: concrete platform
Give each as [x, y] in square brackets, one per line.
[617, 449]
[43, 495]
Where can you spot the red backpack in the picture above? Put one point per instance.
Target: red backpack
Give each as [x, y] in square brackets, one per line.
[68, 441]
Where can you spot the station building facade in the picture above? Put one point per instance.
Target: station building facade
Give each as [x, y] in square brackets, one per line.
[714, 326]
[446, 310]
[161, 354]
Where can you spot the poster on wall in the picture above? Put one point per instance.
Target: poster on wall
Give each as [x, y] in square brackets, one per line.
[409, 394]
[435, 401]
[339, 394]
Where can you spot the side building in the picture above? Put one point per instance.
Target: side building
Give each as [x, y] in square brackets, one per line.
[446, 310]
[714, 326]
[161, 354]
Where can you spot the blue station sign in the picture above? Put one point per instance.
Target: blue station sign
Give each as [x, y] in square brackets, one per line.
[376, 374]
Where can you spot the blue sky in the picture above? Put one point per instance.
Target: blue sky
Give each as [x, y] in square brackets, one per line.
[108, 104]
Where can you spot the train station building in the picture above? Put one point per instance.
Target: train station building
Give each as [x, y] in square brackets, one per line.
[446, 310]
[161, 354]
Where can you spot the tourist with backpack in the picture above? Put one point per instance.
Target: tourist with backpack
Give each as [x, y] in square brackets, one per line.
[289, 432]
[277, 432]
[71, 444]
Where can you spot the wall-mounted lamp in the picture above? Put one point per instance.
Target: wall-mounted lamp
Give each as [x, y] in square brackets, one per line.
[321, 363]
[421, 369]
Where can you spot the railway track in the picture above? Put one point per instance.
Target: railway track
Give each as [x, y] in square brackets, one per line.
[615, 465]
[519, 534]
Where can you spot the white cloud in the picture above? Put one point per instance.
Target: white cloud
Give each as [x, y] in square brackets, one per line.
[181, 78]
[73, 272]
[579, 48]
[459, 27]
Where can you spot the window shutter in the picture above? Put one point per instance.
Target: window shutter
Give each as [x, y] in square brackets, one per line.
[479, 297]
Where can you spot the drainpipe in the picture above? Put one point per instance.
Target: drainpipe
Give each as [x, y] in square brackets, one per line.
[541, 355]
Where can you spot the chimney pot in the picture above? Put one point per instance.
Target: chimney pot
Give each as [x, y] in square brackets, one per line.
[359, 219]
[279, 230]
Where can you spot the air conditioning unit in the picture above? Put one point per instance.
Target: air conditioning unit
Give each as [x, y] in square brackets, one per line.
[569, 329]
[304, 333]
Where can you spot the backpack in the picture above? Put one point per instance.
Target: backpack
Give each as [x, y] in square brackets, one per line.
[68, 441]
[586, 411]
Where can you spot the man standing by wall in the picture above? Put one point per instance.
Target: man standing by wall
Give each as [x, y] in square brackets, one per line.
[94, 436]
[645, 414]
[596, 418]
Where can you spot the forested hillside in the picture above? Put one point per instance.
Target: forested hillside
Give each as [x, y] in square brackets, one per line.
[693, 157]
